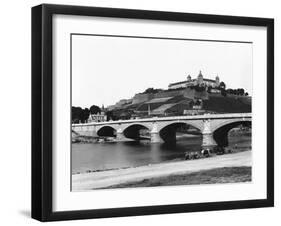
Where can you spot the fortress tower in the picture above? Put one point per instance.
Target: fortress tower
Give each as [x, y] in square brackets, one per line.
[200, 79]
[217, 81]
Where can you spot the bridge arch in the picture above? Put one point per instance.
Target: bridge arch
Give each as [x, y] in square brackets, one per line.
[168, 131]
[106, 131]
[136, 131]
[220, 131]
[221, 123]
[198, 124]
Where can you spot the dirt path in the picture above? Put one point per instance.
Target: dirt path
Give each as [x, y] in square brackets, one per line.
[87, 181]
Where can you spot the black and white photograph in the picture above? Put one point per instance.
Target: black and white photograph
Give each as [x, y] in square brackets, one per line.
[140, 112]
[157, 111]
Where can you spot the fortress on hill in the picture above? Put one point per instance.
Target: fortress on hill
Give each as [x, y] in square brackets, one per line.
[200, 81]
[192, 96]
[184, 88]
[187, 89]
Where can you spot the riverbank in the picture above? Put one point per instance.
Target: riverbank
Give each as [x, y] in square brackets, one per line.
[213, 176]
[76, 138]
[104, 179]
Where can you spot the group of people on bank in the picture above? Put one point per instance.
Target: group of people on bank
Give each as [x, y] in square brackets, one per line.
[205, 153]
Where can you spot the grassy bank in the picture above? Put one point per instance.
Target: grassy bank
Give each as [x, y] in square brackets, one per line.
[213, 176]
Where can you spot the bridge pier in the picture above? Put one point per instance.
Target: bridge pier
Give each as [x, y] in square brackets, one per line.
[208, 141]
[94, 134]
[120, 135]
[154, 134]
[155, 138]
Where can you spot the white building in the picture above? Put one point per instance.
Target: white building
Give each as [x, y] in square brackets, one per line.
[99, 117]
[198, 81]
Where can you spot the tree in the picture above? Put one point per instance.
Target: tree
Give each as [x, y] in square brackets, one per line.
[152, 90]
[222, 85]
[111, 116]
[241, 91]
[149, 90]
[230, 91]
[199, 88]
[79, 114]
[223, 92]
[95, 109]
[85, 115]
[76, 113]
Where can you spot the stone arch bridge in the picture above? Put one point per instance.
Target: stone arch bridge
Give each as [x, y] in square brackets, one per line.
[213, 127]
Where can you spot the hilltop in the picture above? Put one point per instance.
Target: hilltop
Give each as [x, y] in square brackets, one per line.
[192, 96]
[183, 101]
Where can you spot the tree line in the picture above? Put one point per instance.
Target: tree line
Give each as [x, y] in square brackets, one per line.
[81, 115]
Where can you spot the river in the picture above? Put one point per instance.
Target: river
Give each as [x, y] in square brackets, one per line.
[104, 156]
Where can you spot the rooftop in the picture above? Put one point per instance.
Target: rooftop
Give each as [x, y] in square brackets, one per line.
[182, 82]
[162, 108]
[192, 80]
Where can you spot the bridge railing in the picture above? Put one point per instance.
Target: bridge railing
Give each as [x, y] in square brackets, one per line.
[170, 118]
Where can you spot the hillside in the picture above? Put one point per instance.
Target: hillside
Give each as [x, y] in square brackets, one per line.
[229, 104]
[182, 102]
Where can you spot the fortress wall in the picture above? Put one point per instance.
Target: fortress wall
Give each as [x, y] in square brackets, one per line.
[171, 93]
[142, 97]
[188, 93]
[193, 94]
[201, 95]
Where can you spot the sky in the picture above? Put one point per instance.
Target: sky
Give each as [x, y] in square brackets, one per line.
[107, 69]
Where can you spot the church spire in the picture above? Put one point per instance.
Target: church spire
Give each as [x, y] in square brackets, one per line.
[200, 78]
[217, 80]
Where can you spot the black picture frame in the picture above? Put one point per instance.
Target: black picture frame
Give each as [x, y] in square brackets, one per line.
[42, 111]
